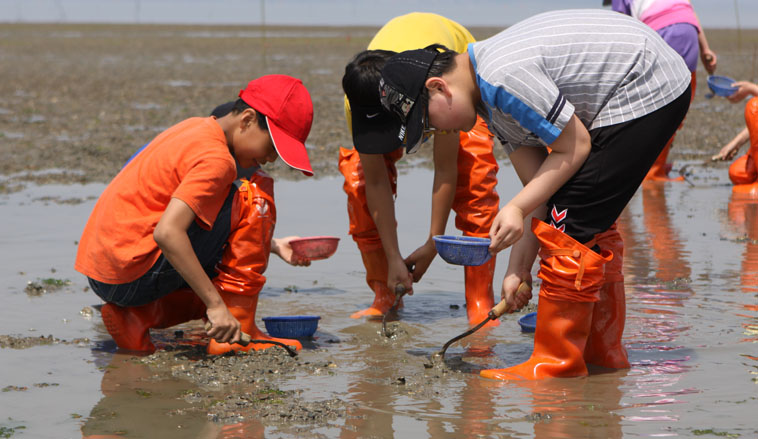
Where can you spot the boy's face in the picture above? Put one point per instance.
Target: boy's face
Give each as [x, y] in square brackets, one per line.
[252, 144]
[449, 109]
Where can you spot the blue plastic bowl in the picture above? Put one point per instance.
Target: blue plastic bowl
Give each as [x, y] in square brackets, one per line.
[528, 322]
[291, 326]
[721, 85]
[462, 250]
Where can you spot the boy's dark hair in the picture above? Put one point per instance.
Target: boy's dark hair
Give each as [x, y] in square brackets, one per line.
[237, 107]
[443, 63]
[361, 79]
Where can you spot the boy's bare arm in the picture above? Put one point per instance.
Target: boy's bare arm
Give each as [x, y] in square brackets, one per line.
[730, 149]
[171, 236]
[526, 161]
[707, 56]
[568, 154]
[382, 208]
[443, 192]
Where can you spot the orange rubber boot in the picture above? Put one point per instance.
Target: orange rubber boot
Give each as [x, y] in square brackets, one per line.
[376, 276]
[129, 326]
[604, 347]
[243, 307]
[660, 169]
[571, 277]
[480, 297]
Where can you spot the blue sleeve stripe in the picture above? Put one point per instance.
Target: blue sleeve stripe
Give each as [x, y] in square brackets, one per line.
[526, 117]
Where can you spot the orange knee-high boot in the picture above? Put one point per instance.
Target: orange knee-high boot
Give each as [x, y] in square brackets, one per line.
[375, 262]
[604, 347]
[243, 308]
[571, 277]
[129, 325]
[480, 297]
[660, 169]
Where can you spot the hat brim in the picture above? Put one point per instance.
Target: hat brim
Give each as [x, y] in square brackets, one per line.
[414, 128]
[291, 150]
[377, 131]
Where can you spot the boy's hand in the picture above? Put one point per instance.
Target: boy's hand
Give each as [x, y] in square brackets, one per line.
[421, 259]
[397, 273]
[710, 60]
[224, 327]
[506, 229]
[727, 152]
[282, 248]
[515, 299]
[744, 89]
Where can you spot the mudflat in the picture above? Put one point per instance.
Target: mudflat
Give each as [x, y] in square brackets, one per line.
[78, 100]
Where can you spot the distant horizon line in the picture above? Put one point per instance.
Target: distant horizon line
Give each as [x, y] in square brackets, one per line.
[260, 25]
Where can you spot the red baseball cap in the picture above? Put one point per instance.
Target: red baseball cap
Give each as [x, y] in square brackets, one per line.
[288, 108]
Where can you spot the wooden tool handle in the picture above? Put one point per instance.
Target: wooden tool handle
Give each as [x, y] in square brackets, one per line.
[244, 337]
[500, 308]
[399, 290]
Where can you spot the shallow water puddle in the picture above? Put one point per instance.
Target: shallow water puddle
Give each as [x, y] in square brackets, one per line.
[691, 281]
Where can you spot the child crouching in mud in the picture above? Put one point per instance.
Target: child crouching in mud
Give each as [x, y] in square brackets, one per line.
[744, 171]
[177, 236]
[583, 102]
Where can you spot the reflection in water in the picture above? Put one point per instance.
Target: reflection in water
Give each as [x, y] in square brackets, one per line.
[743, 215]
[583, 407]
[137, 403]
[660, 272]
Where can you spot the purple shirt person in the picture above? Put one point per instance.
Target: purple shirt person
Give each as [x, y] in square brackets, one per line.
[676, 22]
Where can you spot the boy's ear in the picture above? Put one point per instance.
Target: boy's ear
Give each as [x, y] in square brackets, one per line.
[247, 117]
[435, 83]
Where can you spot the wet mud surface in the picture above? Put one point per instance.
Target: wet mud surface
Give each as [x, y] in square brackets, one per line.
[77, 101]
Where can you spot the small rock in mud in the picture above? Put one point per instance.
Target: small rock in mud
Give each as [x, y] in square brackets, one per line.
[538, 417]
[42, 286]
[394, 331]
[8, 341]
[15, 389]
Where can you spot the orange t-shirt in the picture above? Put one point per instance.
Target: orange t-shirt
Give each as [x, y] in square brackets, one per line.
[189, 161]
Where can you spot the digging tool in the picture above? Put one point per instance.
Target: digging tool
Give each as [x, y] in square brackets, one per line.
[246, 340]
[399, 293]
[494, 313]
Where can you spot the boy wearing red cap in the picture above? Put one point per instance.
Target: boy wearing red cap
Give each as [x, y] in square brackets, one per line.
[176, 211]
[465, 172]
[604, 93]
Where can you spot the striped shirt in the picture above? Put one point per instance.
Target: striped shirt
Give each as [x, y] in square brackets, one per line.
[602, 66]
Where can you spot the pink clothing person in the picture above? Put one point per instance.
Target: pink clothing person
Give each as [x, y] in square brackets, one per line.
[676, 22]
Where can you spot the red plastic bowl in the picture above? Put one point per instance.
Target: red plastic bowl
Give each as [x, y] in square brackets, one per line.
[315, 247]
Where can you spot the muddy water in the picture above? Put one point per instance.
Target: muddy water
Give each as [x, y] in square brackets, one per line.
[692, 334]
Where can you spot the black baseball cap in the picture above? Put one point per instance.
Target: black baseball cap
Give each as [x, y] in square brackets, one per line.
[400, 119]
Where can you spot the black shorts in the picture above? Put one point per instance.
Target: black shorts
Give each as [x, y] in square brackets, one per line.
[620, 157]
